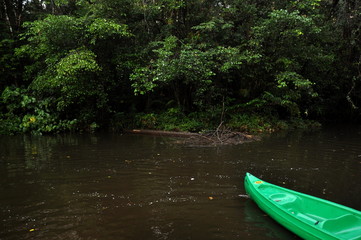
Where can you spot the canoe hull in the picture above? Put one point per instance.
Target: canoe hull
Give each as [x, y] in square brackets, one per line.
[308, 217]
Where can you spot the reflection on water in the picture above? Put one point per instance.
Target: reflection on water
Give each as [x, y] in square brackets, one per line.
[144, 187]
[256, 217]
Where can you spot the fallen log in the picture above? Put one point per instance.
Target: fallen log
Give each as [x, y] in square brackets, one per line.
[226, 138]
[161, 133]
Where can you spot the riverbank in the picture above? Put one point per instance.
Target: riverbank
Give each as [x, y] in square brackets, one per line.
[174, 120]
[207, 129]
[230, 124]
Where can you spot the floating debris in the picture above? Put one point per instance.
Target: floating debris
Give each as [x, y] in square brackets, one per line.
[243, 196]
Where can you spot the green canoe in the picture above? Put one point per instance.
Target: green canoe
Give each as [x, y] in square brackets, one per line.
[307, 216]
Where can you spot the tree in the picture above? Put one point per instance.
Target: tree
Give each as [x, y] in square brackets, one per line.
[71, 80]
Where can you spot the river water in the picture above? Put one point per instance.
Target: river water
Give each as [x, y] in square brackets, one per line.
[104, 186]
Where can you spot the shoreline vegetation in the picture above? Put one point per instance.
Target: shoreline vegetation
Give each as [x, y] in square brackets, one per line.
[222, 135]
[210, 67]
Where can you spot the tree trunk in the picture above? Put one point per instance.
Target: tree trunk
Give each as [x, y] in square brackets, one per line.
[7, 13]
[13, 14]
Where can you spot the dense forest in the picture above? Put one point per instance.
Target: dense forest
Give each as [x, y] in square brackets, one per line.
[251, 65]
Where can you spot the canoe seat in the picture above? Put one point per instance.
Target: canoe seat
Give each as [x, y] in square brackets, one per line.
[283, 198]
[348, 226]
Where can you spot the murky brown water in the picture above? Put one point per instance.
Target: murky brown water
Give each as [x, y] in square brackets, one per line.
[143, 187]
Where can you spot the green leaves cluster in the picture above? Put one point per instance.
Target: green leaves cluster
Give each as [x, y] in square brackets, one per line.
[186, 68]
[27, 114]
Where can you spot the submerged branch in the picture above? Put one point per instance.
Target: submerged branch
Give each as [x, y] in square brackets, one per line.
[348, 96]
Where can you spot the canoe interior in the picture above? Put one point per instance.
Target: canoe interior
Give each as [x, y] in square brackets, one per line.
[338, 220]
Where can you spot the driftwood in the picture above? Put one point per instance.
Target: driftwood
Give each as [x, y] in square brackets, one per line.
[220, 136]
[161, 133]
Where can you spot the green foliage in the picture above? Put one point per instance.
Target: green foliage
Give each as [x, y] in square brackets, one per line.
[186, 69]
[252, 123]
[101, 29]
[72, 74]
[55, 35]
[26, 114]
[9, 65]
[147, 121]
[173, 119]
[92, 64]
[76, 62]
[175, 65]
[286, 42]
